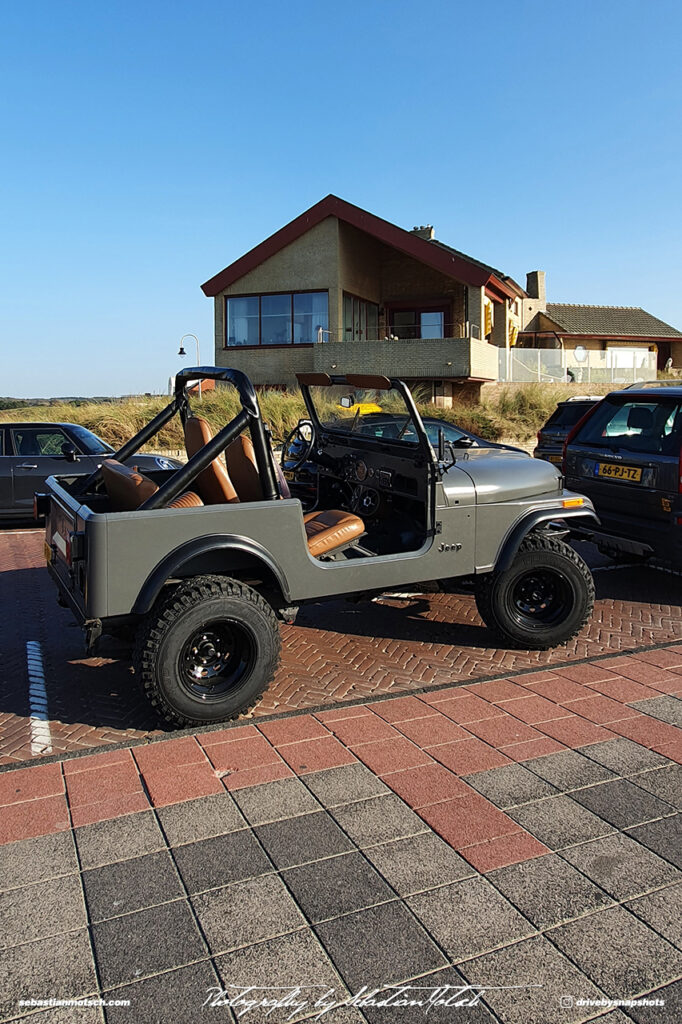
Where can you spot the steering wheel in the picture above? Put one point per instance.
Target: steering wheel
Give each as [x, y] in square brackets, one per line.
[298, 446]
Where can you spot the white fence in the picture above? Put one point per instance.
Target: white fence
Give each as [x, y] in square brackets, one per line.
[614, 366]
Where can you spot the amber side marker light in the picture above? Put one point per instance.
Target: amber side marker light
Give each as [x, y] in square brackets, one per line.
[573, 502]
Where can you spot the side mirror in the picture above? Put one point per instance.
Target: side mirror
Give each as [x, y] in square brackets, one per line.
[69, 453]
[347, 401]
[446, 453]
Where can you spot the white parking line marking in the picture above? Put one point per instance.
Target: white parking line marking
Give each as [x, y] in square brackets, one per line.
[41, 738]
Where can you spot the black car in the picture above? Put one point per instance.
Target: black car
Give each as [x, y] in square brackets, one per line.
[30, 452]
[627, 457]
[551, 437]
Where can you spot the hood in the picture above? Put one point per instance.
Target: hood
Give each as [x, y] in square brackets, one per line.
[503, 475]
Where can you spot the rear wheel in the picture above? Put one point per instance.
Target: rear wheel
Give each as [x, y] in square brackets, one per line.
[208, 651]
[543, 600]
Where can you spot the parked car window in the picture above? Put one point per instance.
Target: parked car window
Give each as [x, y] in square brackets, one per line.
[567, 415]
[39, 441]
[650, 427]
[89, 443]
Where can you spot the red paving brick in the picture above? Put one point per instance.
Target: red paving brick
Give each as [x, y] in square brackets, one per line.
[338, 714]
[31, 783]
[468, 756]
[575, 731]
[182, 751]
[239, 754]
[426, 784]
[32, 818]
[668, 658]
[672, 750]
[257, 776]
[400, 709]
[104, 760]
[600, 709]
[239, 732]
[291, 730]
[364, 729]
[532, 748]
[316, 755]
[533, 709]
[647, 731]
[638, 671]
[107, 810]
[500, 732]
[425, 732]
[468, 708]
[468, 820]
[497, 690]
[505, 850]
[624, 690]
[100, 783]
[181, 782]
[559, 690]
[391, 755]
[587, 673]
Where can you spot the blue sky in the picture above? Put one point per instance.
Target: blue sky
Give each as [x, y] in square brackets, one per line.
[147, 145]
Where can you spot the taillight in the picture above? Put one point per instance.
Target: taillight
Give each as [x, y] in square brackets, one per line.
[539, 436]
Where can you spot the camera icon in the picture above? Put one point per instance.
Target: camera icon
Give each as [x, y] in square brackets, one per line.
[566, 1002]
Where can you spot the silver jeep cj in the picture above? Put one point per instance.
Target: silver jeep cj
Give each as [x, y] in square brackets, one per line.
[198, 564]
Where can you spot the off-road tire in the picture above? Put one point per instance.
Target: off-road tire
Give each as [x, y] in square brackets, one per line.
[164, 639]
[497, 595]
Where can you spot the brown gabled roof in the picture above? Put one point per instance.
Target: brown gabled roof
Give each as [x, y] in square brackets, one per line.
[448, 261]
[609, 321]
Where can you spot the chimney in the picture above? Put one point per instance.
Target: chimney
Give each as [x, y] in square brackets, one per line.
[535, 286]
[424, 231]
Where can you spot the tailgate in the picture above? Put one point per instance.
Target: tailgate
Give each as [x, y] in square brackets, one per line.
[626, 485]
[65, 552]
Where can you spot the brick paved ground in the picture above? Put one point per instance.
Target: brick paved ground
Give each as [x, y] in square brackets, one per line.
[520, 832]
[337, 651]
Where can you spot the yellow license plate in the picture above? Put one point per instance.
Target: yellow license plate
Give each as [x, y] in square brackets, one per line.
[616, 472]
[555, 458]
[47, 551]
[288, 474]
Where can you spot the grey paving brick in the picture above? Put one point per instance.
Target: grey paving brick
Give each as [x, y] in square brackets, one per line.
[664, 837]
[621, 866]
[345, 785]
[34, 860]
[621, 803]
[171, 998]
[59, 967]
[665, 783]
[247, 912]
[275, 800]
[662, 911]
[618, 952]
[336, 886]
[288, 961]
[671, 1010]
[132, 835]
[200, 819]
[379, 946]
[436, 996]
[559, 822]
[469, 917]
[43, 909]
[568, 769]
[302, 840]
[525, 983]
[211, 863]
[64, 1015]
[509, 786]
[623, 756]
[147, 942]
[547, 890]
[666, 709]
[614, 1017]
[129, 885]
[378, 820]
[418, 863]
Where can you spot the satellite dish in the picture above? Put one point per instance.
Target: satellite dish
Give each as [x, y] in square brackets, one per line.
[580, 353]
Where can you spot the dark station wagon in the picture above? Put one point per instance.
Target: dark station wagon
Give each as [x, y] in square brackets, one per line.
[552, 435]
[626, 456]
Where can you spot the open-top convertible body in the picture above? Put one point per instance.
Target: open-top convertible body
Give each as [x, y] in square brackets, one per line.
[198, 564]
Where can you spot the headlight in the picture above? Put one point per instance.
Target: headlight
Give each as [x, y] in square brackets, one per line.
[164, 463]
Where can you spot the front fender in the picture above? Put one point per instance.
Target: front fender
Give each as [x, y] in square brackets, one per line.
[530, 521]
[205, 555]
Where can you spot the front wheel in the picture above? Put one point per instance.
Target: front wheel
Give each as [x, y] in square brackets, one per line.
[208, 651]
[543, 600]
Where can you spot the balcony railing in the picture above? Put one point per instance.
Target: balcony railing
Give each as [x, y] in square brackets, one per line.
[614, 366]
[412, 358]
[450, 331]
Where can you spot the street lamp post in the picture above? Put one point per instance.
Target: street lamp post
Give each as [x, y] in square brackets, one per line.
[181, 352]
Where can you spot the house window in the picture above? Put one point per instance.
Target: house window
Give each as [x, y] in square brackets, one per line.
[418, 323]
[288, 318]
[360, 319]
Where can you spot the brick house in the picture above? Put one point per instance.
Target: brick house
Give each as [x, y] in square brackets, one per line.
[340, 290]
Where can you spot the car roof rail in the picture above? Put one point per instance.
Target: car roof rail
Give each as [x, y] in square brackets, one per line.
[645, 384]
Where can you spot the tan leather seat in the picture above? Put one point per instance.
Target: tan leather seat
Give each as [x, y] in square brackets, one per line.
[331, 529]
[243, 469]
[213, 483]
[127, 488]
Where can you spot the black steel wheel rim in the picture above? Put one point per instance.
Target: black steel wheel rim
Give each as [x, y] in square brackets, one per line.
[216, 659]
[540, 597]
